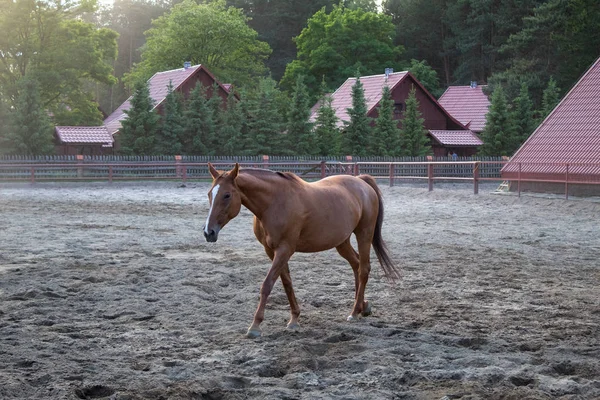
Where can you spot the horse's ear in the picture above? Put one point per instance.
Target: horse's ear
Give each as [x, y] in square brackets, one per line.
[215, 174]
[234, 172]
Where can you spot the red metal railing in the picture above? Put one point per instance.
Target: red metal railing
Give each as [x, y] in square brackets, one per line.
[431, 171]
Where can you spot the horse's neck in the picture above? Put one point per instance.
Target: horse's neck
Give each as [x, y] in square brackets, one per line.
[257, 193]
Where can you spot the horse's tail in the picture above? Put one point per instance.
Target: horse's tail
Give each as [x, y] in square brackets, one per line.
[381, 250]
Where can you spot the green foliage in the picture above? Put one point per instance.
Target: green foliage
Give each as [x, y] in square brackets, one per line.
[50, 43]
[300, 135]
[264, 121]
[357, 133]
[138, 130]
[327, 133]
[199, 123]
[208, 33]
[366, 5]
[499, 138]
[171, 130]
[31, 131]
[522, 116]
[555, 39]
[277, 23]
[336, 44]
[550, 99]
[386, 134]
[427, 76]
[413, 136]
[229, 129]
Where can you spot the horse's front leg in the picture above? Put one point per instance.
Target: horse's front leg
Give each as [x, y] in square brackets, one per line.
[280, 259]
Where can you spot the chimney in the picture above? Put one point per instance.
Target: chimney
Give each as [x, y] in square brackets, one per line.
[388, 71]
[473, 84]
[187, 64]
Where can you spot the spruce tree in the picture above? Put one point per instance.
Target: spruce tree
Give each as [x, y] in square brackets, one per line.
[229, 130]
[31, 131]
[413, 136]
[264, 124]
[386, 134]
[523, 116]
[499, 133]
[199, 124]
[550, 99]
[300, 135]
[327, 133]
[358, 131]
[139, 128]
[169, 137]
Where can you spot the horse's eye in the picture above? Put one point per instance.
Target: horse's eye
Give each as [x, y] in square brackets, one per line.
[227, 195]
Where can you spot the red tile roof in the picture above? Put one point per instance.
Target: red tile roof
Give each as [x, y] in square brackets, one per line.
[570, 134]
[466, 104]
[158, 92]
[372, 85]
[84, 135]
[456, 138]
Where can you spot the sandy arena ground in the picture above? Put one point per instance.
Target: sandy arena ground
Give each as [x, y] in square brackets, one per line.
[110, 291]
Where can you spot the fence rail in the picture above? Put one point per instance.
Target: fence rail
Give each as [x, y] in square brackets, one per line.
[474, 171]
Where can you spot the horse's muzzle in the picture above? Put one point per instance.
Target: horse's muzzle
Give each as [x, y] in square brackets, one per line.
[211, 236]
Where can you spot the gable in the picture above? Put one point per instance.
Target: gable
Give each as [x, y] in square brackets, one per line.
[467, 104]
[570, 134]
[183, 80]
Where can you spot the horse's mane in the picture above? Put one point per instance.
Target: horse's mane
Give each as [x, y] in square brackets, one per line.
[260, 172]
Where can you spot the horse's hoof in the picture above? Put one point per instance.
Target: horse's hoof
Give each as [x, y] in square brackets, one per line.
[253, 333]
[367, 311]
[293, 326]
[351, 318]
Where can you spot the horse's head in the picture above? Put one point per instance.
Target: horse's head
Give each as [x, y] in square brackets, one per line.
[224, 199]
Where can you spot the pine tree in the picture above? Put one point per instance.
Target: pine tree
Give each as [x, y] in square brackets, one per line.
[31, 132]
[199, 124]
[550, 99]
[523, 117]
[229, 130]
[358, 131]
[169, 137]
[139, 128]
[413, 136]
[264, 121]
[327, 134]
[300, 135]
[386, 134]
[499, 133]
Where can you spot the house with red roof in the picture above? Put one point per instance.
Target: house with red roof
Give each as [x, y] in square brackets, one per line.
[468, 104]
[183, 81]
[447, 134]
[565, 145]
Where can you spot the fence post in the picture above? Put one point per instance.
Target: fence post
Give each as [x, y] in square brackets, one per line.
[110, 174]
[184, 173]
[323, 169]
[519, 181]
[32, 174]
[265, 161]
[356, 169]
[430, 176]
[392, 168]
[476, 177]
[567, 182]
[177, 166]
[80, 165]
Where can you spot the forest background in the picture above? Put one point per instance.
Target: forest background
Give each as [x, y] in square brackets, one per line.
[71, 62]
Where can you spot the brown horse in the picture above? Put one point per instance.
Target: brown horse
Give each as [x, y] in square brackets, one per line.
[291, 215]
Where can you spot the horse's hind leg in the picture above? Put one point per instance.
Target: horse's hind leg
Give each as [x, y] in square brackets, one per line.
[347, 251]
[364, 238]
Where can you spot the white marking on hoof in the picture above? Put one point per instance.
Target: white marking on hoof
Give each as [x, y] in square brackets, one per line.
[253, 333]
[293, 326]
[351, 318]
